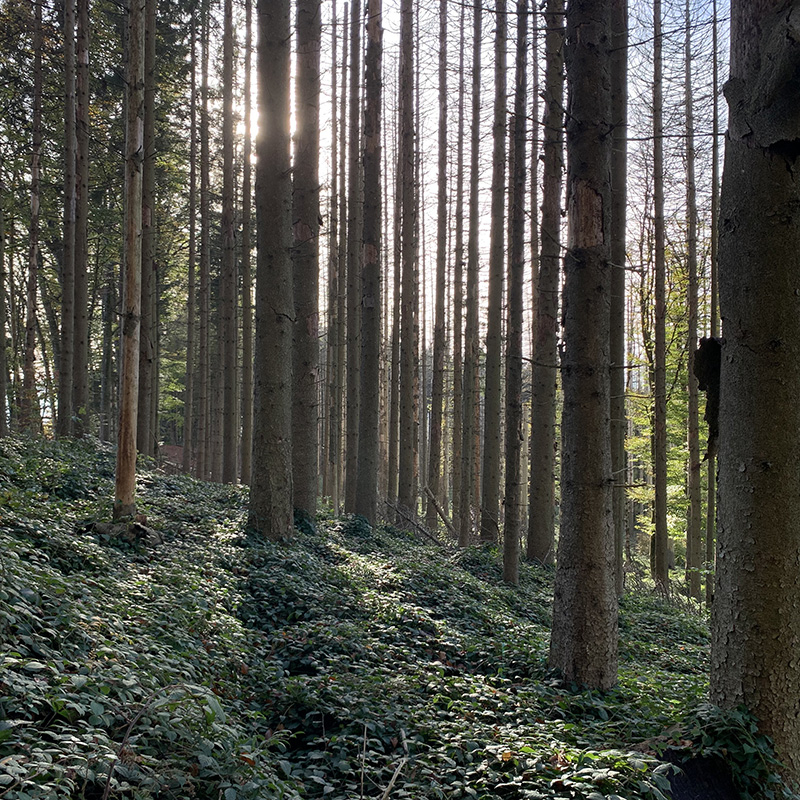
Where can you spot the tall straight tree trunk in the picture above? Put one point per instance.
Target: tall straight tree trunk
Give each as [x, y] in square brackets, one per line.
[755, 615]
[409, 411]
[271, 502]
[228, 277]
[694, 541]
[29, 406]
[367, 478]
[394, 393]
[247, 276]
[188, 404]
[470, 398]
[305, 254]
[661, 565]
[543, 442]
[80, 364]
[65, 361]
[583, 645]
[354, 222]
[203, 295]
[490, 497]
[329, 465]
[125, 486]
[145, 435]
[516, 287]
[437, 389]
[619, 200]
[458, 286]
[3, 312]
[711, 453]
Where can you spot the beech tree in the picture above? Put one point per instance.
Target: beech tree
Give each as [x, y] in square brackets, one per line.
[583, 644]
[756, 610]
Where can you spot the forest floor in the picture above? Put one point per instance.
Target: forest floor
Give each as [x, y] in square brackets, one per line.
[200, 662]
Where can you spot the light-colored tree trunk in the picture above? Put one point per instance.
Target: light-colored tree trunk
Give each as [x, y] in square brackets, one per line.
[305, 255]
[188, 402]
[408, 419]
[516, 287]
[80, 364]
[470, 398]
[65, 361]
[544, 371]
[493, 396]
[228, 277]
[437, 388]
[583, 645]
[394, 392]
[4, 406]
[694, 541]
[145, 435]
[29, 406]
[271, 502]
[367, 478]
[756, 610]
[354, 223]
[660, 549]
[125, 486]
[619, 200]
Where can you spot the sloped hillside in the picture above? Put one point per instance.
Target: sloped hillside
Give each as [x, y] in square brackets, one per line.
[198, 662]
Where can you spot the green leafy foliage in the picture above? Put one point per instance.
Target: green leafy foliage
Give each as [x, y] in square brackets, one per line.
[345, 662]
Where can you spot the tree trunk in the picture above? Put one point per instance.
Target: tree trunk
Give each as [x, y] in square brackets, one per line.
[228, 277]
[756, 611]
[694, 557]
[619, 200]
[470, 398]
[271, 502]
[125, 488]
[367, 478]
[543, 443]
[437, 389]
[516, 287]
[188, 403]
[406, 498]
[65, 361]
[661, 560]
[145, 435]
[305, 254]
[583, 646]
[354, 222]
[490, 497]
[80, 364]
[247, 276]
[3, 312]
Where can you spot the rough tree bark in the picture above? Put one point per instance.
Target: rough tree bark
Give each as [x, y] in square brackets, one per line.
[756, 610]
[583, 645]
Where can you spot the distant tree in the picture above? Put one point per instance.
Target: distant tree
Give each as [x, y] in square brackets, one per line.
[583, 644]
[271, 501]
[755, 620]
[367, 478]
[516, 276]
[125, 487]
[305, 255]
[544, 371]
[490, 484]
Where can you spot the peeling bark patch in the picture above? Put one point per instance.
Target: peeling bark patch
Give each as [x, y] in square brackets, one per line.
[587, 215]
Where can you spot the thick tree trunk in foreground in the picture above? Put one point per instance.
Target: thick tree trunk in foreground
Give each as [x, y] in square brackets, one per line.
[271, 502]
[368, 446]
[756, 611]
[125, 488]
[583, 645]
[544, 371]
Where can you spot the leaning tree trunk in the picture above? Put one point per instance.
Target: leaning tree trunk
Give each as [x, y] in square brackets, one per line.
[583, 646]
[756, 610]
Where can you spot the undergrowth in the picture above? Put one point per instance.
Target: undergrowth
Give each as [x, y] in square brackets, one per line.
[348, 663]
